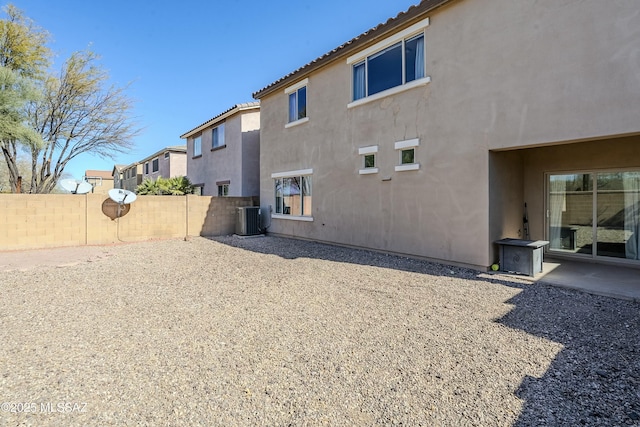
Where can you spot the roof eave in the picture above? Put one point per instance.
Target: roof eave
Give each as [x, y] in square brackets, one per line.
[370, 36]
[238, 108]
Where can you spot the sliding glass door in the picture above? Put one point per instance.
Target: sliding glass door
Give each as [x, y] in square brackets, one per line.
[595, 214]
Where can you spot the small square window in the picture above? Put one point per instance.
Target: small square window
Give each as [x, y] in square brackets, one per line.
[370, 161]
[223, 190]
[368, 154]
[407, 156]
[166, 155]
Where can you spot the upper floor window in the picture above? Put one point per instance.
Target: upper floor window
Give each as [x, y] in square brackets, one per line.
[217, 136]
[197, 146]
[297, 99]
[396, 65]
[154, 165]
[392, 65]
[146, 168]
[166, 155]
[298, 104]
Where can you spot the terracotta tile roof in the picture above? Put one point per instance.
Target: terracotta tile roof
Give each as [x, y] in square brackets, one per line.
[236, 108]
[378, 32]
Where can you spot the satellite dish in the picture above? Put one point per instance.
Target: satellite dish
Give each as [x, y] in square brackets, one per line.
[122, 197]
[76, 187]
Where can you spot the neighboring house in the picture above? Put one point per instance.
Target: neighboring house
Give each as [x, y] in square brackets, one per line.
[427, 134]
[223, 154]
[167, 163]
[102, 181]
[118, 179]
[130, 176]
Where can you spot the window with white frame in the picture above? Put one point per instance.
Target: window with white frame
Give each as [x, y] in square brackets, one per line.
[369, 160]
[407, 155]
[197, 146]
[154, 165]
[217, 136]
[396, 61]
[293, 193]
[166, 155]
[146, 168]
[297, 101]
[223, 190]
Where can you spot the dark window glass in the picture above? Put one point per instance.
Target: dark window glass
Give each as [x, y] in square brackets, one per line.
[385, 69]
[370, 161]
[408, 156]
[302, 102]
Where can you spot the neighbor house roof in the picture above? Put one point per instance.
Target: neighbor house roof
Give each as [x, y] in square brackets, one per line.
[172, 149]
[374, 34]
[222, 116]
[117, 169]
[98, 174]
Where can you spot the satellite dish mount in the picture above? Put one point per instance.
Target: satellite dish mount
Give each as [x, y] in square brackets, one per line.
[122, 197]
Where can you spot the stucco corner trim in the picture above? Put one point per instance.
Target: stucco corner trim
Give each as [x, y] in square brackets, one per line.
[294, 87]
[368, 171]
[292, 217]
[410, 167]
[296, 123]
[389, 92]
[409, 143]
[292, 173]
[368, 150]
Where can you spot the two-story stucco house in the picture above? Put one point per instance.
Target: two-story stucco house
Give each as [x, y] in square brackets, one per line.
[127, 177]
[426, 135]
[166, 163]
[223, 153]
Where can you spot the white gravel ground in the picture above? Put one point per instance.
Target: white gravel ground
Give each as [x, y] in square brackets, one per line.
[277, 332]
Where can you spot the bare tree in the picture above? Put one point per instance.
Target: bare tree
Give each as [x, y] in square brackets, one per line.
[74, 111]
[76, 115]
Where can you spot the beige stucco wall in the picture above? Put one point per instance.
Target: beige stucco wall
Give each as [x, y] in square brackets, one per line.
[518, 74]
[30, 221]
[174, 165]
[236, 162]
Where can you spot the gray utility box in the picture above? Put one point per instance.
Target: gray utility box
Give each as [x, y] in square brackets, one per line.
[248, 221]
[521, 256]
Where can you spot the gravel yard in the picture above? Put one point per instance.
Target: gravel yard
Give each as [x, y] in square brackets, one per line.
[277, 332]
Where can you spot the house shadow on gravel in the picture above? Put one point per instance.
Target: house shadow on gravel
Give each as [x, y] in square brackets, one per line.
[594, 380]
[289, 248]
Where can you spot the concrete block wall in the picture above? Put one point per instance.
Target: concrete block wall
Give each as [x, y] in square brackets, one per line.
[29, 221]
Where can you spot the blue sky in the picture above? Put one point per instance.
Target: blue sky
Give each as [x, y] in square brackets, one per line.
[188, 61]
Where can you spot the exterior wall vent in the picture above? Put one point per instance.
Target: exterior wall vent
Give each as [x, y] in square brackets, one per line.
[248, 221]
